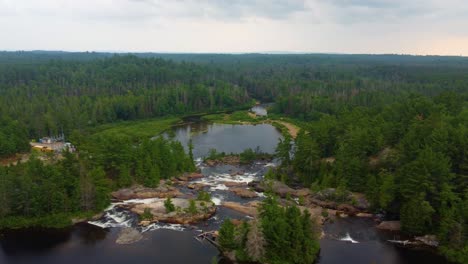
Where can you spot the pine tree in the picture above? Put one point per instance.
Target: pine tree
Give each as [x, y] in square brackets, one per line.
[256, 243]
[227, 235]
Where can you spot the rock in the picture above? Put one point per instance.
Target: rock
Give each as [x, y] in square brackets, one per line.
[128, 236]
[229, 160]
[428, 240]
[390, 225]
[138, 192]
[75, 221]
[325, 204]
[195, 175]
[84, 219]
[196, 186]
[235, 184]
[248, 208]
[347, 209]
[367, 215]
[244, 193]
[144, 223]
[180, 216]
[302, 192]
[183, 178]
[210, 163]
[190, 177]
[277, 187]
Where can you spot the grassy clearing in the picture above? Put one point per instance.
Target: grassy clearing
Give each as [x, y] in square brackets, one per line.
[137, 129]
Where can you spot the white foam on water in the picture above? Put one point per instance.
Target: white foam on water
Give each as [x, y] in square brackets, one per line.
[221, 187]
[216, 179]
[260, 194]
[216, 200]
[157, 226]
[114, 218]
[198, 162]
[270, 164]
[348, 238]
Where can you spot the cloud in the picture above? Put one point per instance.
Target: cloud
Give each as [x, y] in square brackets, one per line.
[374, 26]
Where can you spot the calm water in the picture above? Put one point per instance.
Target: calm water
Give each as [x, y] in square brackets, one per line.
[372, 246]
[86, 243]
[227, 138]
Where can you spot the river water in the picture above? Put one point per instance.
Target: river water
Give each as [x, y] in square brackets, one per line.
[348, 240]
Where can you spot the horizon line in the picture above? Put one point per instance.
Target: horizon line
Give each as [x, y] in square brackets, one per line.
[237, 53]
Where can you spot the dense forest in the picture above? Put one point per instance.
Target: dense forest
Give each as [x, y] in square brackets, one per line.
[50, 193]
[393, 127]
[410, 158]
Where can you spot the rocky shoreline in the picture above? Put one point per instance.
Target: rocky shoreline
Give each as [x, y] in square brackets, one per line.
[321, 205]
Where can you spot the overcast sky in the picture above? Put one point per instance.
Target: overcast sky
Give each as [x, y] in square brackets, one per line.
[344, 26]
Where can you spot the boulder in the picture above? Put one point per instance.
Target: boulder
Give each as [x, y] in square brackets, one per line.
[128, 236]
[180, 216]
[244, 193]
[302, 192]
[247, 209]
[235, 184]
[428, 240]
[390, 225]
[347, 209]
[144, 223]
[196, 186]
[365, 215]
[190, 176]
[138, 192]
[277, 187]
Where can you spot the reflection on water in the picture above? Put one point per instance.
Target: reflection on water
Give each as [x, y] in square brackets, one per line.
[227, 138]
[89, 244]
[373, 247]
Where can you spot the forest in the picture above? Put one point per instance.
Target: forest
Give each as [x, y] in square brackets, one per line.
[391, 126]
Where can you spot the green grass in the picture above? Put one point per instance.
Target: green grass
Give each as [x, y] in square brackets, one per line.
[137, 129]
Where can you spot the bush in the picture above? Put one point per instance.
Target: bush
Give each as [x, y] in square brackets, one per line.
[204, 196]
[192, 209]
[147, 215]
[169, 205]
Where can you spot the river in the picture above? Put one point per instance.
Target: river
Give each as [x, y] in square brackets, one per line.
[348, 240]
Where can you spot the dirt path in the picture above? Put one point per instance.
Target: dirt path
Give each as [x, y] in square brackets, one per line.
[293, 129]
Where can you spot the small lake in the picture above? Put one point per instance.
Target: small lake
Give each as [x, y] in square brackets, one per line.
[226, 138]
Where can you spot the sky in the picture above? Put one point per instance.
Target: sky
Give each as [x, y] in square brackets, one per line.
[422, 27]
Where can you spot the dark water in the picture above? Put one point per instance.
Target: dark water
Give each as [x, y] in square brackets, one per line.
[89, 244]
[86, 243]
[372, 246]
